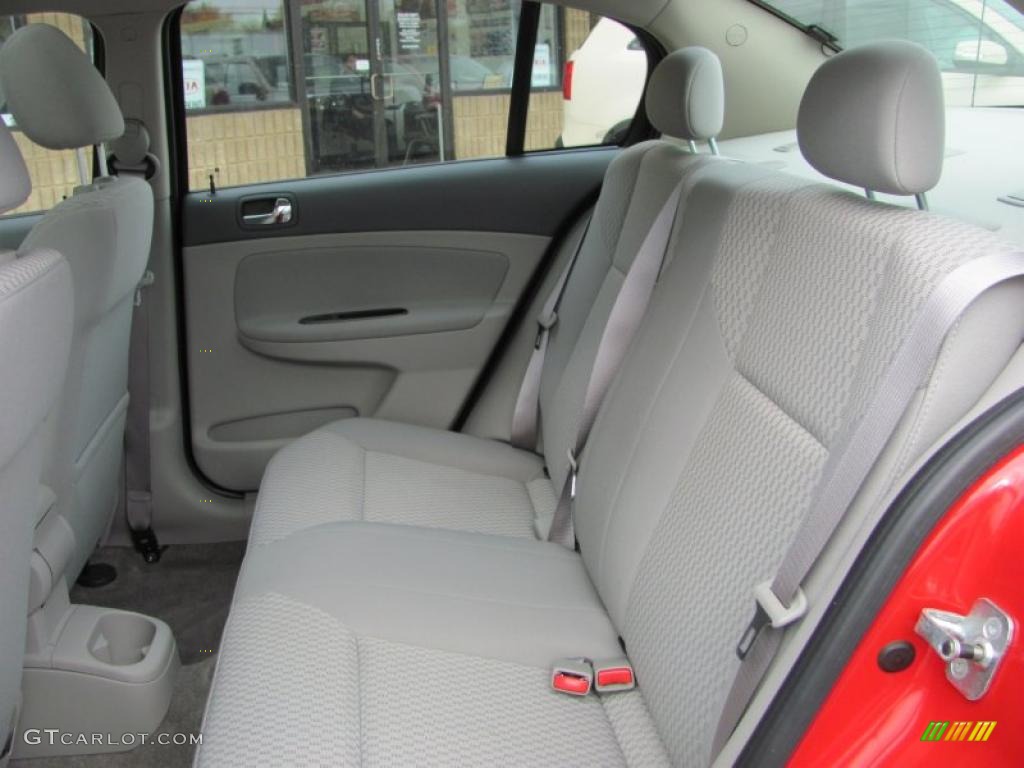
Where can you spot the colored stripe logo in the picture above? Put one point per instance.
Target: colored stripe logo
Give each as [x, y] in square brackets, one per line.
[960, 730]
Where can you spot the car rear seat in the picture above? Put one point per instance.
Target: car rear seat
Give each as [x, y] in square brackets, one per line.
[374, 644]
[371, 470]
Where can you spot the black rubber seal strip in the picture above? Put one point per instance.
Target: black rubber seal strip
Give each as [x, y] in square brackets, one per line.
[519, 97]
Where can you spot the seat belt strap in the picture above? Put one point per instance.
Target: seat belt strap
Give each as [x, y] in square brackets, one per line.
[781, 601]
[526, 415]
[138, 491]
[623, 321]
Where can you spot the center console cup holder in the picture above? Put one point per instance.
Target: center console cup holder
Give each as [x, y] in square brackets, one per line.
[107, 671]
[120, 639]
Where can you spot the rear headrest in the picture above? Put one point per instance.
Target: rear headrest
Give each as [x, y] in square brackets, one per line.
[873, 116]
[15, 185]
[686, 95]
[56, 95]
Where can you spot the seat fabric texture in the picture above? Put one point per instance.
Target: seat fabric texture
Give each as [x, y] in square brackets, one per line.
[35, 339]
[772, 323]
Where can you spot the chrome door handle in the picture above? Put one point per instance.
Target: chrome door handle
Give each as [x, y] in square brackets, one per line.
[376, 91]
[280, 214]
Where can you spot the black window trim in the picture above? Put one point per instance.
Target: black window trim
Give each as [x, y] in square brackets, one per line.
[522, 73]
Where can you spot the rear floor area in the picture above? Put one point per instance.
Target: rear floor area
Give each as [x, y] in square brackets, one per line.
[190, 588]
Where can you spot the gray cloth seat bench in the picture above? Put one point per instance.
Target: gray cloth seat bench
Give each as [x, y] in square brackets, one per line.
[356, 641]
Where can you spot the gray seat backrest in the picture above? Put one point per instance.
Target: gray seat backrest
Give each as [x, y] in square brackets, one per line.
[703, 460]
[104, 231]
[685, 101]
[35, 337]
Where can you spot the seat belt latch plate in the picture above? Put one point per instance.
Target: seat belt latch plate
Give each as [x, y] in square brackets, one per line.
[770, 611]
[779, 614]
[572, 676]
[613, 675]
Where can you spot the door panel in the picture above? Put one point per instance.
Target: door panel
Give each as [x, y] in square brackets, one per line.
[305, 294]
[259, 376]
[385, 296]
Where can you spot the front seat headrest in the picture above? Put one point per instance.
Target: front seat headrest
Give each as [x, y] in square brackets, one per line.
[15, 185]
[56, 95]
[874, 117]
[686, 95]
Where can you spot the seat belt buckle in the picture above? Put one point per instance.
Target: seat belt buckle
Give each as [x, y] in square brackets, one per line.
[771, 611]
[613, 675]
[572, 676]
[574, 469]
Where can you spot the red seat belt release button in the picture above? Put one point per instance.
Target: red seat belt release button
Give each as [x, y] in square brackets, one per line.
[572, 676]
[611, 675]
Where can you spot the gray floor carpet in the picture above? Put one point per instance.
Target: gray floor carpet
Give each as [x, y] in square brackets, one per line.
[190, 588]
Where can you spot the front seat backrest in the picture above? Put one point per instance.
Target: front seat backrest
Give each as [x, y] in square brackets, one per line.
[35, 337]
[61, 101]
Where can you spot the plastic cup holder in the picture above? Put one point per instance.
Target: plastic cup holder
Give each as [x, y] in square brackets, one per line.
[121, 639]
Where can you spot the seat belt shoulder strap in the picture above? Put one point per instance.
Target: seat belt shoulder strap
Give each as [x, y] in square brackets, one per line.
[137, 475]
[526, 414]
[624, 319]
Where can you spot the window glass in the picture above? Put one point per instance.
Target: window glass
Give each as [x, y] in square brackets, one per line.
[602, 83]
[234, 55]
[282, 89]
[482, 44]
[243, 124]
[54, 173]
[979, 43]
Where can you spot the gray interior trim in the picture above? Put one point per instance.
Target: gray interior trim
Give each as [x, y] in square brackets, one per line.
[14, 229]
[525, 195]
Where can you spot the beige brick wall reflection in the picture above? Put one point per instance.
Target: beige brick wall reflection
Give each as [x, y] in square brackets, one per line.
[481, 123]
[54, 174]
[245, 147]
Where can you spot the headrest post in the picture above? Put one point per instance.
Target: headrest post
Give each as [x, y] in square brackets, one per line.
[693, 146]
[83, 166]
[870, 194]
[922, 201]
[101, 159]
[713, 145]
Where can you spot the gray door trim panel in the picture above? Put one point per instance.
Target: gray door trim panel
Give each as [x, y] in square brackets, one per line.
[523, 195]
